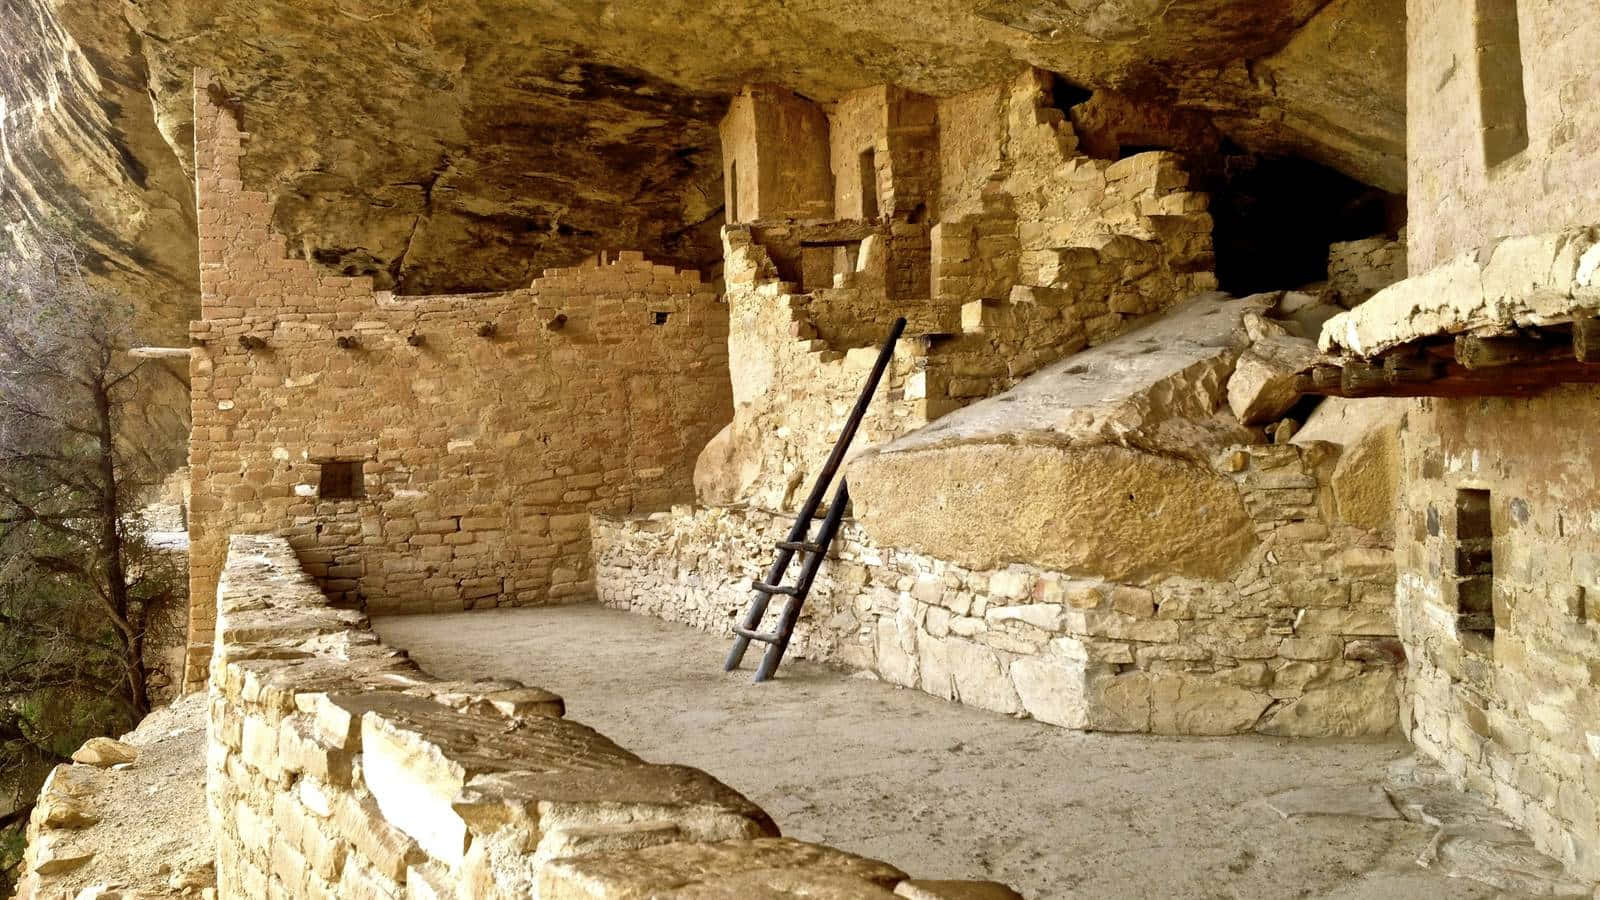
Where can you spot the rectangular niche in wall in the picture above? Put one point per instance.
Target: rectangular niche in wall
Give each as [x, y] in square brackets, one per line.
[340, 479]
[869, 184]
[1501, 99]
[1474, 562]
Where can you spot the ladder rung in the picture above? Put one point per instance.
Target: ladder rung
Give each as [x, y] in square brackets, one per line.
[765, 637]
[801, 546]
[784, 589]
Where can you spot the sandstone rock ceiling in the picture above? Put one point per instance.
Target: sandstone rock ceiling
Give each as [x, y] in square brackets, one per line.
[466, 145]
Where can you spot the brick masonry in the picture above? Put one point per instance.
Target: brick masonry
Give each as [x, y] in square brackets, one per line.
[486, 427]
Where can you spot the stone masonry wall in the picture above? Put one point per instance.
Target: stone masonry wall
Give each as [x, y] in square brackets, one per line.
[1068, 252]
[1300, 641]
[775, 156]
[485, 427]
[337, 768]
[1513, 714]
[1021, 206]
[901, 129]
[1359, 269]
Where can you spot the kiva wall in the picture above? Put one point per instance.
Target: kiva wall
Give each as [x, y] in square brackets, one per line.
[1501, 123]
[1514, 713]
[337, 768]
[431, 453]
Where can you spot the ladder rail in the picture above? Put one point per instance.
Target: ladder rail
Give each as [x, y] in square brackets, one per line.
[808, 511]
[791, 610]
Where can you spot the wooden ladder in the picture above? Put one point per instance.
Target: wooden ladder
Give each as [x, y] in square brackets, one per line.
[799, 541]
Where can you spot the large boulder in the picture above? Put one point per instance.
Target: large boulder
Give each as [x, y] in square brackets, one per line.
[1262, 387]
[1095, 465]
[1365, 481]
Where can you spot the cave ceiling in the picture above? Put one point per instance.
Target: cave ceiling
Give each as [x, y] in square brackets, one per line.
[451, 146]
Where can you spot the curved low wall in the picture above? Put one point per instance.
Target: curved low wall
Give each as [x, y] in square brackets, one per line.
[338, 768]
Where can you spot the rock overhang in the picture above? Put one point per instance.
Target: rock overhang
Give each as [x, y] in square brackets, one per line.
[470, 147]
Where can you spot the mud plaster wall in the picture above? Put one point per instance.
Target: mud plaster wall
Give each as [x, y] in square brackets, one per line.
[1515, 717]
[1457, 200]
[778, 143]
[482, 450]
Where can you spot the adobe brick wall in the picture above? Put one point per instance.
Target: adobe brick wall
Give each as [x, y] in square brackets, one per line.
[482, 454]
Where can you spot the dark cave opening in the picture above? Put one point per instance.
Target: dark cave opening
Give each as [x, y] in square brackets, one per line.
[1275, 216]
[1064, 95]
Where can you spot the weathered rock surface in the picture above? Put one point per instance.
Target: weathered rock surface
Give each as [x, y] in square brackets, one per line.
[1088, 466]
[136, 831]
[105, 753]
[486, 141]
[1365, 480]
[1262, 386]
[765, 867]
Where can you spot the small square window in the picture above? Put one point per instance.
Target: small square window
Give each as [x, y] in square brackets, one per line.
[340, 480]
[1475, 562]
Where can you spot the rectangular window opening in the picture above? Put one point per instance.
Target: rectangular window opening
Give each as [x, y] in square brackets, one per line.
[1474, 562]
[733, 191]
[340, 479]
[1502, 99]
[869, 184]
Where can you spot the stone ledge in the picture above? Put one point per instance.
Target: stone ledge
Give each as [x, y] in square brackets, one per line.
[1540, 279]
[337, 767]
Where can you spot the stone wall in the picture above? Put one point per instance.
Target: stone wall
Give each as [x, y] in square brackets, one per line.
[1512, 710]
[337, 768]
[1062, 252]
[1020, 204]
[1359, 269]
[900, 130]
[429, 453]
[775, 156]
[1298, 641]
[1100, 547]
[1483, 78]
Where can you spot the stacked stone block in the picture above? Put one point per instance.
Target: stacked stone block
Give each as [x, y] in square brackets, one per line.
[1511, 715]
[1359, 269]
[1024, 207]
[486, 427]
[1297, 640]
[337, 768]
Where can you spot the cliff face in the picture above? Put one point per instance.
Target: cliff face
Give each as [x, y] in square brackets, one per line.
[445, 147]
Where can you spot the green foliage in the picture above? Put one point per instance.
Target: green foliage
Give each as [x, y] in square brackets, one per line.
[12, 843]
[77, 587]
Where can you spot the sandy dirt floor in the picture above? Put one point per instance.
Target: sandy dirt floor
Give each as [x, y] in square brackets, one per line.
[152, 837]
[945, 791]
